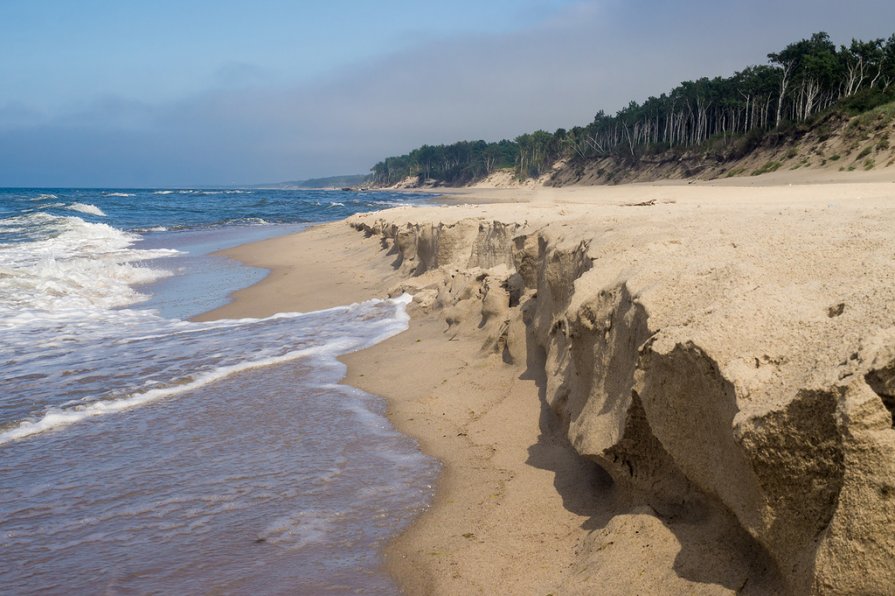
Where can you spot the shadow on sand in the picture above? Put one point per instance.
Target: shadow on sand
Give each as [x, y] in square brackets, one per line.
[714, 549]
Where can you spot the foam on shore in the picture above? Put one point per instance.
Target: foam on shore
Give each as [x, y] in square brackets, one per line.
[155, 356]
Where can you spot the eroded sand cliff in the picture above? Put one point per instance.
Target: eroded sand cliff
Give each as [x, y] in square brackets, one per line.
[729, 363]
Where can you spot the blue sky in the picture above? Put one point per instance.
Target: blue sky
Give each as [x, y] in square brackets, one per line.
[199, 92]
[60, 52]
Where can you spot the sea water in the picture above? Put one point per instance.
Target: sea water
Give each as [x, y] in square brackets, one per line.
[141, 452]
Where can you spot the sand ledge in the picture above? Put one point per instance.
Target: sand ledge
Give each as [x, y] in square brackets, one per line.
[692, 347]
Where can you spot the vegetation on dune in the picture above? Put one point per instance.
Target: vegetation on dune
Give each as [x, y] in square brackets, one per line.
[458, 163]
[803, 83]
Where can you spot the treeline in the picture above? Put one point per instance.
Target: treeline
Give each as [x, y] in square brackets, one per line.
[806, 78]
[454, 164]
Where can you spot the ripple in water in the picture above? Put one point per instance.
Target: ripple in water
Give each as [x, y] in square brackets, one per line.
[272, 481]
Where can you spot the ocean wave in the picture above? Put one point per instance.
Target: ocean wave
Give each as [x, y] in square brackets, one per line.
[57, 418]
[336, 204]
[191, 191]
[69, 263]
[251, 221]
[163, 192]
[87, 208]
[30, 218]
[151, 366]
[45, 197]
[118, 194]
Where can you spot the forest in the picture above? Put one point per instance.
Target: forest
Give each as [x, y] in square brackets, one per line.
[802, 82]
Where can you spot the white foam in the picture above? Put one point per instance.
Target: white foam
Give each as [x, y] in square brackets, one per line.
[87, 208]
[71, 264]
[44, 197]
[250, 221]
[57, 418]
[299, 529]
[182, 355]
[118, 194]
[163, 192]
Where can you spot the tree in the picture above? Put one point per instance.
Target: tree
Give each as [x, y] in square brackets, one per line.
[807, 77]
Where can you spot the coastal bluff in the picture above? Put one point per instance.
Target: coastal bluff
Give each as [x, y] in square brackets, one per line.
[727, 356]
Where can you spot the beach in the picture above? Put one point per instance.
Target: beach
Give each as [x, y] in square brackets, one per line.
[547, 298]
[675, 387]
[485, 439]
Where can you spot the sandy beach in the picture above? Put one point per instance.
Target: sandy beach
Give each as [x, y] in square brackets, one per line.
[636, 389]
[545, 298]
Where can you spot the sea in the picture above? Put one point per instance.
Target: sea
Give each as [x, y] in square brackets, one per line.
[141, 452]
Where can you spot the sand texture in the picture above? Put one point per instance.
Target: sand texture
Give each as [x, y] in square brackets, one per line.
[639, 389]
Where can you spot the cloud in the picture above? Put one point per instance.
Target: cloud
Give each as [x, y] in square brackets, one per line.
[242, 74]
[247, 128]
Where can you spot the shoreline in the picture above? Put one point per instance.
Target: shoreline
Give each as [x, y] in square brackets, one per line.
[429, 363]
[517, 506]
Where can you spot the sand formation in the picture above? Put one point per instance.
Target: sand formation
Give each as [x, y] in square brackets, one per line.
[727, 366]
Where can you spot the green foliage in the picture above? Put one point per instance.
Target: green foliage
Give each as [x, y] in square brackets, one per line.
[747, 143]
[457, 163]
[824, 129]
[866, 100]
[537, 152]
[771, 166]
[808, 83]
[864, 153]
[876, 119]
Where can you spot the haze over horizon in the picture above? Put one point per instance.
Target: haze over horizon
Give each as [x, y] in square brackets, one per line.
[102, 93]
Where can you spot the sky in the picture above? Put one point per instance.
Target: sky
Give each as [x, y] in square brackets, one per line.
[188, 92]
